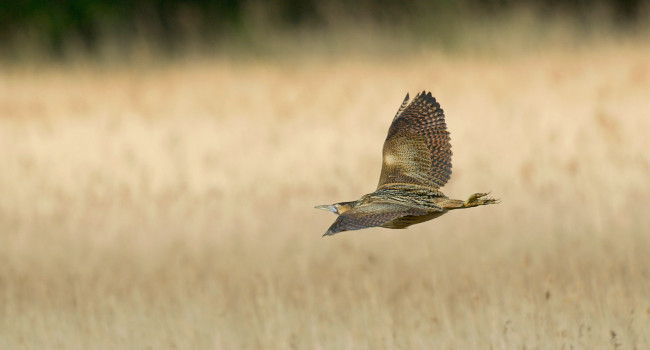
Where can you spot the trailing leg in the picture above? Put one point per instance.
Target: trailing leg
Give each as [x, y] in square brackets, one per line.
[479, 199]
[473, 201]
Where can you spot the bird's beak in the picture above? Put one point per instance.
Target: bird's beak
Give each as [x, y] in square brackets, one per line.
[327, 207]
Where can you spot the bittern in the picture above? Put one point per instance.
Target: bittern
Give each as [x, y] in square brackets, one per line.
[416, 164]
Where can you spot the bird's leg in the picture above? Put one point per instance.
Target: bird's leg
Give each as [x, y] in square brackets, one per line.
[479, 199]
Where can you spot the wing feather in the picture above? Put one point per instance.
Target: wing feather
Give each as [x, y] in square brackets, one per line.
[402, 106]
[417, 149]
[371, 215]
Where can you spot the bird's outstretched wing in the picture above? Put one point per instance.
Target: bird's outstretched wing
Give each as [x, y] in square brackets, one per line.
[371, 215]
[417, 149]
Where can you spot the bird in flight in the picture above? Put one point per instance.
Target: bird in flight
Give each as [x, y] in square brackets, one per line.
[416, 164]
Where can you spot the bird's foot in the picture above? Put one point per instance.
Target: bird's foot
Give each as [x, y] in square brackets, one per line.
[480, 199]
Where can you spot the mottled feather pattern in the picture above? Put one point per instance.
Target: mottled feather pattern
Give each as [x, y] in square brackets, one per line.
[414, 196]
[402, 106]
[418, 137]
[371, 215]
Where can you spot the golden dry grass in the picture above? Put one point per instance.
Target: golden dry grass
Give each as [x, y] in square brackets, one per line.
[172, 206]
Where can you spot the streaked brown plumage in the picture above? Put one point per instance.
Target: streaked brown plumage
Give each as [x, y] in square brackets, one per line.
[416, 164]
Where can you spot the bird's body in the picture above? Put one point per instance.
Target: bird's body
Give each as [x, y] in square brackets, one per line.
[416, 163]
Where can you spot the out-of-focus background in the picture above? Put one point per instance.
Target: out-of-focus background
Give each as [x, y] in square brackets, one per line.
[160, 160]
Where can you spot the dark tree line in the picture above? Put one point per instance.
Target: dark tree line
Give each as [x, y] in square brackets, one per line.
[53, 23]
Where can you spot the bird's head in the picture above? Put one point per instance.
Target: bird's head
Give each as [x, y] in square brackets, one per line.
[337, 208]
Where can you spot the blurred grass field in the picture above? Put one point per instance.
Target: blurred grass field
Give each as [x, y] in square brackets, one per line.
[171, 205]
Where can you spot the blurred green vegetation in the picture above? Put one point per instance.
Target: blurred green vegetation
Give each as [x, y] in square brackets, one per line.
[54, 28]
